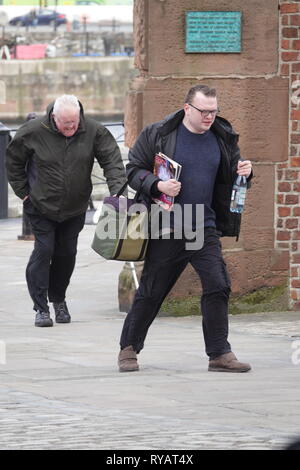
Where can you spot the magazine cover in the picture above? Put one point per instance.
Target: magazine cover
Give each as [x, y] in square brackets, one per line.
[165, 168]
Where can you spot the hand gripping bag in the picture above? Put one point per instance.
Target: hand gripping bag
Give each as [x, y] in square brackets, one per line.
[122, 230]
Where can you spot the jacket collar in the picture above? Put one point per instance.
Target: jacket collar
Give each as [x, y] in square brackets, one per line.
[221, 126]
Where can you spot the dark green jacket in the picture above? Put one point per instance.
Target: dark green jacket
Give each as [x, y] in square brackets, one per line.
[56, 170]
[161, 137]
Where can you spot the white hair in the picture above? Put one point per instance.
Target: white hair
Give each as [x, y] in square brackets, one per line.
[65, 101]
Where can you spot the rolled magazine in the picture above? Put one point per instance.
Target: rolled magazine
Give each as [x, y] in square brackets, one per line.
[165, 168]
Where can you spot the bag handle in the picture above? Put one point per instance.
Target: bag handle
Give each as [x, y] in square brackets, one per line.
[121, 191]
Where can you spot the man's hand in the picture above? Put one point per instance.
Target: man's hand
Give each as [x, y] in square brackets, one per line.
[170, 187]
[244, 168]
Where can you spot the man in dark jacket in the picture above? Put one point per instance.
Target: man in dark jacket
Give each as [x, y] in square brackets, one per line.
[206, 147]
[49, 164]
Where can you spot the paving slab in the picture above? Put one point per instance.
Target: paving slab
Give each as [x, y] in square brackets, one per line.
[60, 387]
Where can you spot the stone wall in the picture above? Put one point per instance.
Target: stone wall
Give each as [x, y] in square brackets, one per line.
[253, 88]
[100, 83]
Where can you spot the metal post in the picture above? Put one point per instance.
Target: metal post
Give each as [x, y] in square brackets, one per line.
[134, 275]
[4, 139]
[87, 45]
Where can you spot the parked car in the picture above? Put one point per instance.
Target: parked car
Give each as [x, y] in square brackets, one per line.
[87, 2]
[41, 16]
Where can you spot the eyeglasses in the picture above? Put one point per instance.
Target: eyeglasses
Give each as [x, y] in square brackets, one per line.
[206, 112]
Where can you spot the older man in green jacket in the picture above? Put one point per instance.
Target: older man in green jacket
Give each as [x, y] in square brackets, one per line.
[49, 164]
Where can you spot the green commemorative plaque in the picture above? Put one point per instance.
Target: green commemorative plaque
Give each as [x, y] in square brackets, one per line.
[213, 31]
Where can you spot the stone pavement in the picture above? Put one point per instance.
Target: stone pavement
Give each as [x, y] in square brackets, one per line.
[60, 387]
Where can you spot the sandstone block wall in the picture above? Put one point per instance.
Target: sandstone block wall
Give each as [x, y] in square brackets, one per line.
[254, 89]
[100, 83]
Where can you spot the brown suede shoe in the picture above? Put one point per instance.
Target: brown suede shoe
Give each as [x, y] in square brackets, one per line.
[127, 360]
[227, 363]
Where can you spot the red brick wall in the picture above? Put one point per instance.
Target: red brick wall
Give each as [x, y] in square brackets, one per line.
[288, 173]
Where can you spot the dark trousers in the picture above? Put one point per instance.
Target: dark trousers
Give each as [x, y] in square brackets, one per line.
[165, 261]
[52, 261]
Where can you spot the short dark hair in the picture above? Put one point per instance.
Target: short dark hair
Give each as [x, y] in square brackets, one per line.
[204, 89]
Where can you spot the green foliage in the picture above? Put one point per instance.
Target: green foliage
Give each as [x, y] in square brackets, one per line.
[180, 307]
[266, 299]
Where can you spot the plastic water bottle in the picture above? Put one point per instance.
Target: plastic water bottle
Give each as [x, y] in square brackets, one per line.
[238, 195]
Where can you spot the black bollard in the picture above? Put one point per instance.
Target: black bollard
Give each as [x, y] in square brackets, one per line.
[4, 140]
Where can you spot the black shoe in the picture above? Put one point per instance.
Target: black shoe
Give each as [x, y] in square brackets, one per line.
[61, 312]
[43, 319]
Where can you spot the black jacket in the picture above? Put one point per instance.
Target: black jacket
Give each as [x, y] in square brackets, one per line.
[55, 170]
[161, 137]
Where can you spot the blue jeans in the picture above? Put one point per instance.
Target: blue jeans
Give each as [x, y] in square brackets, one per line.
[165, 261]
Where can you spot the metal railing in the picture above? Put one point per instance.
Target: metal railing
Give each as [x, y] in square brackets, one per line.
[119, 139]
[101, 180]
